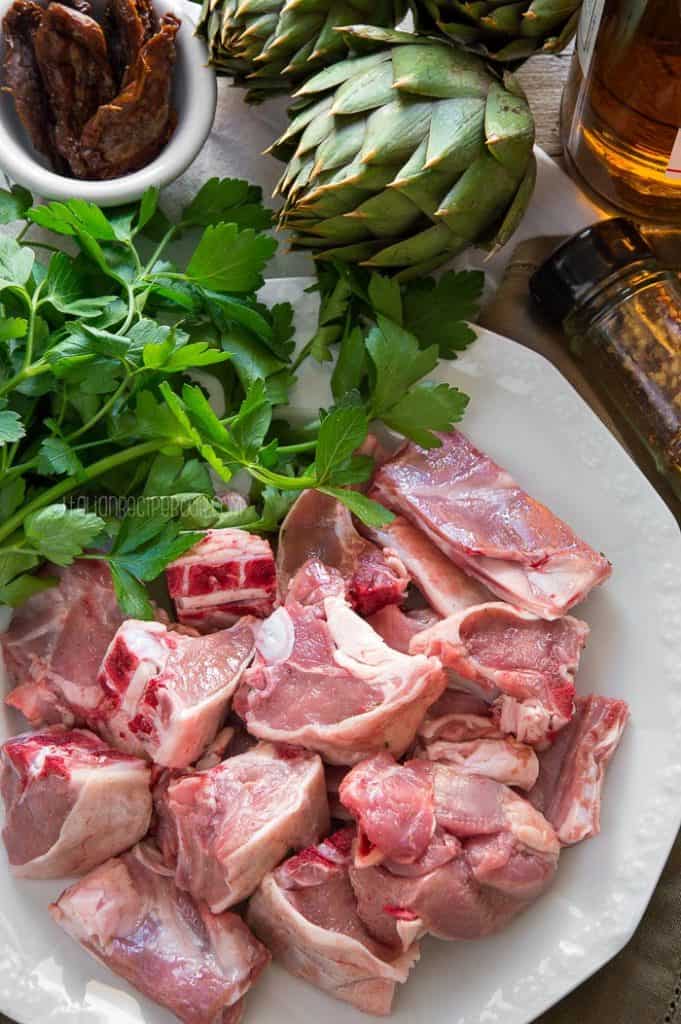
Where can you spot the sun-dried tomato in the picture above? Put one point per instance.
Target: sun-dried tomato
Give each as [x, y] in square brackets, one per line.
[131, 131]
[128, 25]
[22, 78]
[74, 63]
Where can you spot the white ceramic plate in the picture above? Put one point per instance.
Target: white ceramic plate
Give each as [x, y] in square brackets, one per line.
[528, 418]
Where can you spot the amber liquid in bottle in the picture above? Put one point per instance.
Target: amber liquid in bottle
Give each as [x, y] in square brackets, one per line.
[621, 116]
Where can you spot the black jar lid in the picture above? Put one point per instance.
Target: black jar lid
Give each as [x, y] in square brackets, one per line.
[583, 262]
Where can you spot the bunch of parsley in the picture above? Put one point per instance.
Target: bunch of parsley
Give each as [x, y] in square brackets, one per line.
[110, 343]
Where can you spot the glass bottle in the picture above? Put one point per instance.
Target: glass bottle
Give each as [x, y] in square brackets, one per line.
[621, 113]
[621, 311]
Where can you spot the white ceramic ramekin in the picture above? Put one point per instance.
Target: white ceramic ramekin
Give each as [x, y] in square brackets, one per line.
[195, 99]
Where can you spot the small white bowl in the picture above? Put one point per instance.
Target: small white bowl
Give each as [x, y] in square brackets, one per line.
[195, 99]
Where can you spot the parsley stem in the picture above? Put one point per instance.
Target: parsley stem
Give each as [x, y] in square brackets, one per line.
[71, 483]
[35, 302]
[284, 483]
[31, 371]
[131, 309]
[302, 355]
[159, 249]
[293, 449]
[101, 412]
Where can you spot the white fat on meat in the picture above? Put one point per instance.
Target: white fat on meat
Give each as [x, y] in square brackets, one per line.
[71, 802]
[329, 683]
[305, 912]
[478, 516]
[442, 852]
[523, 662]
[229, 573]
[140, 925]
[220, 831]
[475, 745]
[165, 695]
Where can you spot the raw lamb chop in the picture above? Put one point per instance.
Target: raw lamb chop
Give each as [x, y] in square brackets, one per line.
[197, 964]
[228, 574]
[442, 852]
[475, 745]
[222, 830]
[306, 914]
[480, 518]
[332, 685]
[445, 587]
[56, 641]
[527, 663]
[398, 628]
[164, 695]
[321, 528]
[572, 770]
[71, 802]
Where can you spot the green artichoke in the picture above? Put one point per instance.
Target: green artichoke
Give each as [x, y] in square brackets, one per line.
[503, 31]
[402, 158]
[269, 45]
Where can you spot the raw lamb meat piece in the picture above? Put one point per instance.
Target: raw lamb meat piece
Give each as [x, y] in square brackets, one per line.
[445, 587]
[306, 914]
[56, 641]
[572, 770]
[228, 574]
[313, 583]
[165, 695]
[71, 802]
[438, 851]
[475, 745]
[398, 628]
[172, 949]
[332, 685]
[526, 662]
[321, 528]
[480, 518]
[222, 830]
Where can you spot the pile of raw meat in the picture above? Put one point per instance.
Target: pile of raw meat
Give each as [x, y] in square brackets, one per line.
[373, 738]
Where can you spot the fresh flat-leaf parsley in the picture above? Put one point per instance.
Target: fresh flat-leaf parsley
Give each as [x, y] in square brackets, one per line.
[144, 379]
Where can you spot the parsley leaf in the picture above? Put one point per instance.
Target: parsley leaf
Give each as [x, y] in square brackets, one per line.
[424, 408]
[23, 587]
[341, 432]
[14, 204]
[369, 511]
[11, 427]
[398, 362]
[171, 474]
[228, 200]
[16, 263]
[60, 534]
[435, 311]
[229, 259]
[75, 217]
[65, 286]
[130, 594]
[56, 456]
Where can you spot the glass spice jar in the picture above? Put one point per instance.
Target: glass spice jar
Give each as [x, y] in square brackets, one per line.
[621, 312]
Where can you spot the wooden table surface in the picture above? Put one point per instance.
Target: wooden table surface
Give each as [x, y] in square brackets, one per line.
[542, 79]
